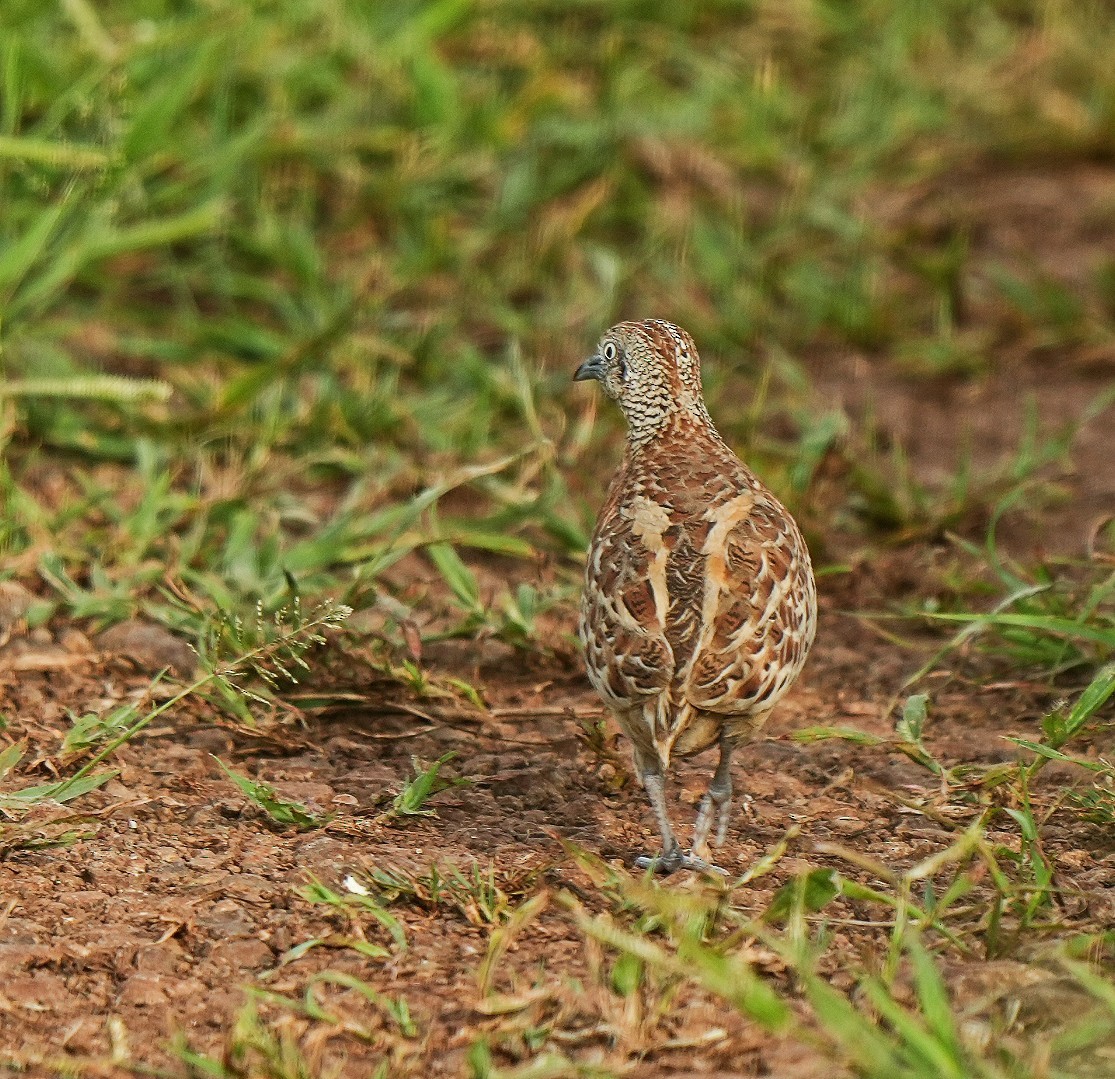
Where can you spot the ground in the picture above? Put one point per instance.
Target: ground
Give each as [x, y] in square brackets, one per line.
[139, 920]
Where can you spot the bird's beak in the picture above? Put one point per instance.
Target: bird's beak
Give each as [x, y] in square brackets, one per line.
[593, 367]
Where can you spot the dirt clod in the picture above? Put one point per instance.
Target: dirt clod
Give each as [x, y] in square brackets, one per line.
[150, 647]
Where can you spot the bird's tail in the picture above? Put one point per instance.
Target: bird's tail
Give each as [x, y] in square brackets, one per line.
[681, 730]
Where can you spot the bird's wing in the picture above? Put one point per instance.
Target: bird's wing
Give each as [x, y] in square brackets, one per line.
[757, 618]
[623, 609]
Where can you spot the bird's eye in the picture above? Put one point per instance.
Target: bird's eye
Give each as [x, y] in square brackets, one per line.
[610, 351]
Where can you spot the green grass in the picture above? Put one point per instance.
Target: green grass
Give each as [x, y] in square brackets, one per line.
[364, 243]
[290, 296]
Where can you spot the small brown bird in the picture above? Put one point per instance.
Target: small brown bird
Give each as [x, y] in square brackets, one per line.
[699, 604]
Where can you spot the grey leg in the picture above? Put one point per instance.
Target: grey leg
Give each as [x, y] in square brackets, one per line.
[672, 857]
[718, 799]
[654, 783]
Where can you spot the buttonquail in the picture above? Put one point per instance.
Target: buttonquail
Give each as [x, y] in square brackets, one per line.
[699, 604]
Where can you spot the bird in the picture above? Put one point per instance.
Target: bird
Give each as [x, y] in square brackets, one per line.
[699, 604]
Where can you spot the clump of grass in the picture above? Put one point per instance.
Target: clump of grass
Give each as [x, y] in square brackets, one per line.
[1050, 621]
[271, 659]
[481, 894]
[258, 1044]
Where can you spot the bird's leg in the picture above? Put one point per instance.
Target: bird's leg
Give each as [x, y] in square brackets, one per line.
[718, 798]
[672, 857]
[654, 783]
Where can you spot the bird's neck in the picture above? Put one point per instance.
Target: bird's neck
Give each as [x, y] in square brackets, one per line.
[679, 430]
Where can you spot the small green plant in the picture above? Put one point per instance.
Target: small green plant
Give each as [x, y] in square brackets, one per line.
[356, 903]
[394, 1008]
[512, 617]
[908, 729]
[263, 795]
[425, 784]
[90, 729]
[918, 1038]
[1037, 890]
[62, 791]
[1059, 726]
[248, 660]
[805, 894]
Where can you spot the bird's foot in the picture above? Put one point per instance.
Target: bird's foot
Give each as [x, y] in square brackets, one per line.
[671, 861]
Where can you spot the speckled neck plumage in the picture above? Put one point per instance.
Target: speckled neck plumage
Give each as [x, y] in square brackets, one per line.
[670, 393]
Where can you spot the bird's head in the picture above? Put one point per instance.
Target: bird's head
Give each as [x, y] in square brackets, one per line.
[651, 369]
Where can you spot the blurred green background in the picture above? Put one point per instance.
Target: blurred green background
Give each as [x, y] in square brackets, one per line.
[291, 290]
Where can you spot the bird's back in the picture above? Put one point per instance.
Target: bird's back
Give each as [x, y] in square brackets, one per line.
[699, 605]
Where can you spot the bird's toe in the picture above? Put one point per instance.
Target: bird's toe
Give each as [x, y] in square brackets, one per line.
[671, 861]
[698, 864]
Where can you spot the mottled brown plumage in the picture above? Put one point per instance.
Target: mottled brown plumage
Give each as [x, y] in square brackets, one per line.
[699, 604]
